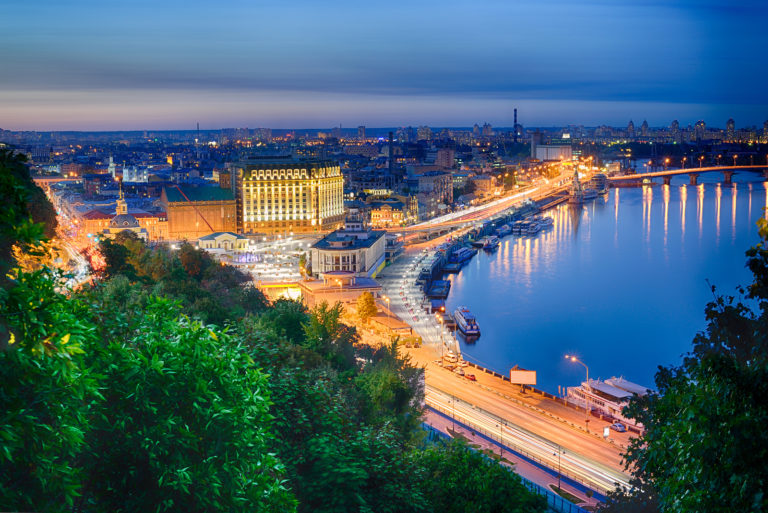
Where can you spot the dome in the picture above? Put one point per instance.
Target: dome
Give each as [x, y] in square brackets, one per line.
[123, 221]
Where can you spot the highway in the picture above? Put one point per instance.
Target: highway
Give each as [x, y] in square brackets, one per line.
[530, 444]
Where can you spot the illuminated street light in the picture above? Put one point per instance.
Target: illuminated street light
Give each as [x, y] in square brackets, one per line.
[574, 359]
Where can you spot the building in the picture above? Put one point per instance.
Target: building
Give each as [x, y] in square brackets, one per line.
[226, 241]
[282, 195]
[484, 185]
[135, 174]
[361, 252]
[124, 222]
[194, 212]
[554, 152]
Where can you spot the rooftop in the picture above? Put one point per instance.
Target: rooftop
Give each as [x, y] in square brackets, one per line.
[201, 193]
[341, 239]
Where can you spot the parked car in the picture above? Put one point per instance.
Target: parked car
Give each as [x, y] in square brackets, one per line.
[618, 426]
[470, 377]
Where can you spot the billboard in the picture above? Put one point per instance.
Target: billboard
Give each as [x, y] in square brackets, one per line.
[522, 377]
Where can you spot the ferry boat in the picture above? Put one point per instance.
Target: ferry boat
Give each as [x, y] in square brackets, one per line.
[504, 230]
[491, 243]
[599, 182]
[545, 222]
[607, 397]
[466, 322]
[462, 255]
[520, 227]
[589, 194]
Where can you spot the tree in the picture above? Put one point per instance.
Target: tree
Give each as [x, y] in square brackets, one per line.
[185, 423]
[458, 479]
[44, 391]
[366, 306]
[706, 447]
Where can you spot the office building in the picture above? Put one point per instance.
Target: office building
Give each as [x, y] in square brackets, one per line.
[282, 195]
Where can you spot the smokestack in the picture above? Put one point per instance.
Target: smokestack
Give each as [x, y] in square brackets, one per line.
[514, 127]
[391, 155]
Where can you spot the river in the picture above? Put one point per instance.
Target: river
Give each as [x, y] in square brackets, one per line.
[621, 282]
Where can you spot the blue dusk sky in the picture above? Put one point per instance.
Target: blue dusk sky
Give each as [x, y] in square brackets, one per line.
[104, 65]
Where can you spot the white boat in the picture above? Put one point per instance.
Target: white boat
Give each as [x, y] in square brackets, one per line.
[589, 194]
[546, 222]
[533, 228]
[466, 322]
[607, 397]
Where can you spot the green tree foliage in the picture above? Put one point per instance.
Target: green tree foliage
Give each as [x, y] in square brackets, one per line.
[366, 306]
[25, 207]
[44, 391]
[458, 479]
[208, 290]
[185, 425]
[705, 446]
[45, 395]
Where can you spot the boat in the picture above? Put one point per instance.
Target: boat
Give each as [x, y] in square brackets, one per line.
[491, 243]
[466, 322]
[462, 255]
[504, 230]
[599, 182]
[608, 397]
[589, 194]
[534, 227]
[546, 222]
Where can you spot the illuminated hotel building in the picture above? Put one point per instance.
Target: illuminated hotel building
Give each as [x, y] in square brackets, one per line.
[282, 195]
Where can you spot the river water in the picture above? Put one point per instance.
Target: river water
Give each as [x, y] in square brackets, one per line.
[621, 282]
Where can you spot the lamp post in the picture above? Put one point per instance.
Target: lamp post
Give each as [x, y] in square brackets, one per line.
[501, 443]
[574, 359]
[386, 298]
[559, 473]
[701, 161]
[666, 163]
[734, 160]
[683, 161]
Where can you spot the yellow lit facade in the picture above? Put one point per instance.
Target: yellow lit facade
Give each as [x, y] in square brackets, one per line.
[281, 195]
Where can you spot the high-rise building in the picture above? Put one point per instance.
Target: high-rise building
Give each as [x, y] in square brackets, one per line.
[765, 131]
[424, 133]
[644, 129]
[361, 133]
[700, 130]
[282, 195]
[730, 130]
[631, 130]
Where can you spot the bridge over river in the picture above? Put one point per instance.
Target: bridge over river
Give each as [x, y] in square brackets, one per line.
[693, 173]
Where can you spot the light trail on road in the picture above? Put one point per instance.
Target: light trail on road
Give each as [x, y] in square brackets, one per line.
[533, 446]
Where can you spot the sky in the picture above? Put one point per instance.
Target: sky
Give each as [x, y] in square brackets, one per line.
[168, 64]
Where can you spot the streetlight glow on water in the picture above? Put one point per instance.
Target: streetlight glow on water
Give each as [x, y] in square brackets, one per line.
[623, 280]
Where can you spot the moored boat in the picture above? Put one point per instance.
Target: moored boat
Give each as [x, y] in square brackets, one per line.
[466, 322]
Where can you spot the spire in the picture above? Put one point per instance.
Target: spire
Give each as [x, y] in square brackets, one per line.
[122, 206]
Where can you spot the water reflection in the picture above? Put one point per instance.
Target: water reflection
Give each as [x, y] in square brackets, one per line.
[606, 281]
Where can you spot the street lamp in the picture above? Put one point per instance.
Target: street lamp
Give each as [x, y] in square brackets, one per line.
[559, 452]
[666, 163]
[683, 161]
[574, 359]
[734, 160]
[701, 160]
[385, 298]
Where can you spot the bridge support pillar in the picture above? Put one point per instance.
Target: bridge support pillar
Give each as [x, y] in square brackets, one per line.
[694, 178]
[727, 177]
[667, 179]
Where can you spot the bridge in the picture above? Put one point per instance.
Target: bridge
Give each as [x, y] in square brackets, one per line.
[693, 173]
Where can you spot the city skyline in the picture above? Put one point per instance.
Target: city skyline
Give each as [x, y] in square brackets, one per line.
[89, 66]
